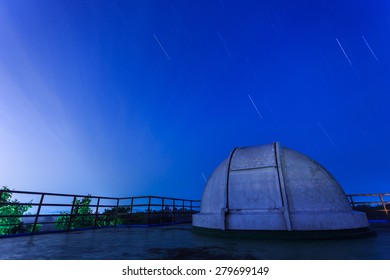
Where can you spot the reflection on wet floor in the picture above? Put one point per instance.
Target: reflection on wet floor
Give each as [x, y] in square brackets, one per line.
[180, 242]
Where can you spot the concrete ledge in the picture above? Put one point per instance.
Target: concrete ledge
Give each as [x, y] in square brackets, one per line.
[274, 220]
[287, 235]
[330, 220]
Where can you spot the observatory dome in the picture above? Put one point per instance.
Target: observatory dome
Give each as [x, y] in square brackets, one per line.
[270, 189]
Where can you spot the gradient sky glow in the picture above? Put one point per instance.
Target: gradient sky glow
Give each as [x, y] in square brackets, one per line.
[126, 98]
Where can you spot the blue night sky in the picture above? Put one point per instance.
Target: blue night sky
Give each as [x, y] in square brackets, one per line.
[126, 98]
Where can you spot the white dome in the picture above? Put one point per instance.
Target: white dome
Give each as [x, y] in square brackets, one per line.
[269, 188]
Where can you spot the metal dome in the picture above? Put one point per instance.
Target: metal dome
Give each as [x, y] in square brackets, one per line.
[270, 189]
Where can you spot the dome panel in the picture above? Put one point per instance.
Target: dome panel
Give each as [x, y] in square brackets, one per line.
[253, 157]
[254, 189]
[310, 186]
[213, 197]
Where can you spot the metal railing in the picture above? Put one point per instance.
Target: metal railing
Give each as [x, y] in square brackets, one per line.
[38, 212]
[26, 212]
[376, 205]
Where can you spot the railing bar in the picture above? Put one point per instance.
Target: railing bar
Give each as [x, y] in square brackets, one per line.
[50, 204]
[96, 212]
[116, 212]
[367, 202]
[5, 225]
[162, 210]
[61, 214]
[102, 197]
[152, 196]
[38, 211]
[371, 194]
[148, 215]
[174, 211]
[383, 204]
[131, 210]
[71, 212]
[84, 215]
[19, 203]
[57, 194]
[182, 212]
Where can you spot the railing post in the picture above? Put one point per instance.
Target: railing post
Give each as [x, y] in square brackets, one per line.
[191, 211]
[37, 215]
[116, 212]
[148, 214]
[182, 212]
[131, 209]
[96, 212]
[71, 213]
[174, 211]
[352, 202]
[162, 211]
[383, 204]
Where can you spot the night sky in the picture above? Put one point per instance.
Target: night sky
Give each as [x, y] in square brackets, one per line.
[125, 98]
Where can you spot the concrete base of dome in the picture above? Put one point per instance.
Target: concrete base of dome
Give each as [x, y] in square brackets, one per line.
[288, 235]
[274, 220]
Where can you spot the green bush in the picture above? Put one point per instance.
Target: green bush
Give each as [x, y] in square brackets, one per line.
[80, 217]
[12, 225]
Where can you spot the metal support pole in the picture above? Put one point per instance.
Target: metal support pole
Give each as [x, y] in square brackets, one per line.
[352, 202]
[96, 212]
[71, 213]
[384, 205]
[131, 209]
[162, 211]
[182, 212]
[38, 211]
[148, 214]
[174, 211]
[191, 211]
[116, 212]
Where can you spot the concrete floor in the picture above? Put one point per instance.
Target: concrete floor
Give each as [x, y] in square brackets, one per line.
[179, 242]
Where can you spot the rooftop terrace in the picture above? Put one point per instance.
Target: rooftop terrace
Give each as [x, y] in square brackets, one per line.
[159, 228]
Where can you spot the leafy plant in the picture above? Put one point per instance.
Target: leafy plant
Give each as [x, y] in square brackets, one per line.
[120, 214]
[10, 214]
[80, 216]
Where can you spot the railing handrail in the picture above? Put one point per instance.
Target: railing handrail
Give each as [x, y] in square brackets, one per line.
[162, 197]
[369, 194]
[101, 197]
[56, 194]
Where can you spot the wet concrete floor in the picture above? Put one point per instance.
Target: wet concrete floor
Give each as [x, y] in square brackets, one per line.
[180, 242]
